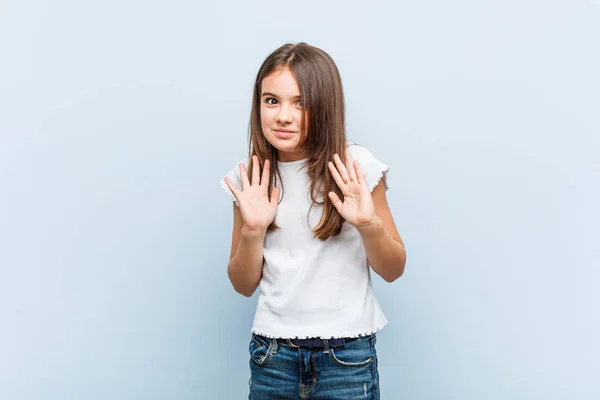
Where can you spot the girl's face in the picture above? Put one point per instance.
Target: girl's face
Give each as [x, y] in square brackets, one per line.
[281, 114]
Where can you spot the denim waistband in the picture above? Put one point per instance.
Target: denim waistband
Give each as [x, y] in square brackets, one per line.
[316, 343]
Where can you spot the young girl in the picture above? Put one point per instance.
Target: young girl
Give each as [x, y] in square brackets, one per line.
[310, 216]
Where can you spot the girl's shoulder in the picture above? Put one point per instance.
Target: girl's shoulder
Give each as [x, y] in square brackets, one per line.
[373, 169]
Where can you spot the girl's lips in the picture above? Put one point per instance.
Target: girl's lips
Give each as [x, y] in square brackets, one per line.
[284, 134]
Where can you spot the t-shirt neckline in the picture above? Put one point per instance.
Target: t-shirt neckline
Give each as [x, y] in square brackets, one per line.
[291, 163]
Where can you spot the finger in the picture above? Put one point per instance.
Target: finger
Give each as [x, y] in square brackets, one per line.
[350, 163]
[265, 175]
[275, 196]
[336, 176]
[359, 173]
[233, 188]
[244, 176]
[255, 170]
[335, 200]
[341, 167]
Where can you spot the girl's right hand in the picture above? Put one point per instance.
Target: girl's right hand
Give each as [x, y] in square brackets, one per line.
[256, 209]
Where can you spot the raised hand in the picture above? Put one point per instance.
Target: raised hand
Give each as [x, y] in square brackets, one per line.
[257, 210]
[357, 207]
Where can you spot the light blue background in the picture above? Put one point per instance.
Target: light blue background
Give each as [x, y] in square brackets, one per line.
[118, 118]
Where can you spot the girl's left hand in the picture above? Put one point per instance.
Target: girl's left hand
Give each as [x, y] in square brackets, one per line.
[357, 207]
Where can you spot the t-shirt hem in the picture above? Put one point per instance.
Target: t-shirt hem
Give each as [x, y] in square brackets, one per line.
[351, 334]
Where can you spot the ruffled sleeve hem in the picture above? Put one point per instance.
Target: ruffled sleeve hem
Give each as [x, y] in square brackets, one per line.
[382, 175]
[373, 169]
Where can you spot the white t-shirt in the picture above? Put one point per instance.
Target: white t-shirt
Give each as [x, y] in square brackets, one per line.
[309, 287]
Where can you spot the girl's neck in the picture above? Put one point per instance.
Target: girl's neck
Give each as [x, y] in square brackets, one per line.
[286, 158]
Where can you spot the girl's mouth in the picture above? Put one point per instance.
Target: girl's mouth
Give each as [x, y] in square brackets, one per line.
[284, 134]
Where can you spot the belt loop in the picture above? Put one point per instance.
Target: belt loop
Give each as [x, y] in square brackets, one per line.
[326, 351]
[273, 346]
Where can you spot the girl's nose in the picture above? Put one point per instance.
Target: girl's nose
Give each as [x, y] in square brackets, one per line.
[284, 115]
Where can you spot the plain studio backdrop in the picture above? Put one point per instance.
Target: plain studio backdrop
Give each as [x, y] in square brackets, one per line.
[118, 118]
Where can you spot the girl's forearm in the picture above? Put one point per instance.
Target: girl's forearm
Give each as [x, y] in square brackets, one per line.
[245, 268]
[386, 256]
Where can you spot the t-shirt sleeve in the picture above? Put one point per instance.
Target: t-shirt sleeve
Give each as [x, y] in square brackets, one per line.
[373, 169]
[234, 175]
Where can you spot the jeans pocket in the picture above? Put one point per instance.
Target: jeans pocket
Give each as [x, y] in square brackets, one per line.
[259, 349]
[356, 353]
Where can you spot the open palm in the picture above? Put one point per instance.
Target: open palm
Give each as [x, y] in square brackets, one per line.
[357, 208]
[257, 210]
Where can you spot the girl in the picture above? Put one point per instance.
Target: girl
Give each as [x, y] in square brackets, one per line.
[306, 229]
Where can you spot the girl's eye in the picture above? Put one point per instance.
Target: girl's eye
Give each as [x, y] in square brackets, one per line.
[272, 101]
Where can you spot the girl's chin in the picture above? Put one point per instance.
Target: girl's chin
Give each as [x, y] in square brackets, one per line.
[286, 145]
[287, 152]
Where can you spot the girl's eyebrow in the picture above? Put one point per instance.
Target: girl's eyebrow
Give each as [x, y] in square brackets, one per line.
[274, 95]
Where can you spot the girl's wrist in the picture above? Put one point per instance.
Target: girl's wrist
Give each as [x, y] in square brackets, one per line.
[254, 231]
[365, 226]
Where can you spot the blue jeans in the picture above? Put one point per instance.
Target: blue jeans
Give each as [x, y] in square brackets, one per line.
[283, 371]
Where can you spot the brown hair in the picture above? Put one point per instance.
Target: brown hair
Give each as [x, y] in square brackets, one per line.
[323, 130]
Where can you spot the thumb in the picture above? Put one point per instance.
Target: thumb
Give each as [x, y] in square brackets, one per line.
[275, 196]
[335, 200]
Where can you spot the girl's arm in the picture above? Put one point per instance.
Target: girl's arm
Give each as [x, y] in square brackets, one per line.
[384, 246]
[250, 221]
[369, 212]
[246, 258]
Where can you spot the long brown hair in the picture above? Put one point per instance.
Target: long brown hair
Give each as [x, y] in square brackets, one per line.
[323, 127]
